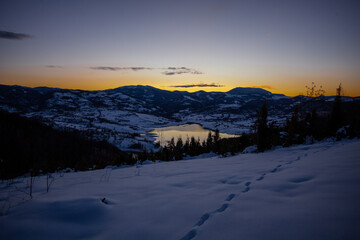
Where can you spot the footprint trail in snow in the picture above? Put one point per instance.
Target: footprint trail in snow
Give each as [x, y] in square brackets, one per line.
[205, 217]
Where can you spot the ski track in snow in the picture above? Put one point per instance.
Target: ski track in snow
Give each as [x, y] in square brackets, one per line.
[205, 217]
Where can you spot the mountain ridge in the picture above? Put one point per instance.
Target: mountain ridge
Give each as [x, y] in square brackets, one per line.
[247, 89]
[124, 115]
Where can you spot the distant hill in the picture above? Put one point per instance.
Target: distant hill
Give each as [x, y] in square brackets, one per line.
[124, 115]
[145, 99]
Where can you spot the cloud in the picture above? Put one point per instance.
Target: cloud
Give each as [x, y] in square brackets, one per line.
[140, 68]
[13, 35]
[121, 68]
[263, 86]
[181, 70]
[106, 68]
[197, 85]
[166, 71]
[53, 66]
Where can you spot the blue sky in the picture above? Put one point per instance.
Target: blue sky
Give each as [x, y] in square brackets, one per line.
[282, 45]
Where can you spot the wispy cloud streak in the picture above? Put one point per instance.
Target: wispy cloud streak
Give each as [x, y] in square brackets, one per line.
[13, 35]
[121, 68]
[180, 70]
[53, 66]
[165, 71]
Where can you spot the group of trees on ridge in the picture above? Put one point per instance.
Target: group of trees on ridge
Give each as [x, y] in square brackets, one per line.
[301, 127]
[27, 145]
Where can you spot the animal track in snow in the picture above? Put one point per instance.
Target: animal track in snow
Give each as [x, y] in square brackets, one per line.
[203, 219]
[276, 169]
[247, 187]
[261, 177]
[193, 232]
[190, 235]
[230, 180]
[301, 179]
[230, 197]
[222, 208]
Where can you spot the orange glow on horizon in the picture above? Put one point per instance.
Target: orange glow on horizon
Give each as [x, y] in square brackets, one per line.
[95, 80]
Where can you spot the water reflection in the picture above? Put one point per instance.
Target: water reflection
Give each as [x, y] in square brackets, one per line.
[165, 134]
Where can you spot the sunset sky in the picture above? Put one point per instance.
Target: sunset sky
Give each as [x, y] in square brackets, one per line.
[190, 45]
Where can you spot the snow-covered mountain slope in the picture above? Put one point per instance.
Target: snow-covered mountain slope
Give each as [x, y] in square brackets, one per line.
[124, 115]
[302, 192]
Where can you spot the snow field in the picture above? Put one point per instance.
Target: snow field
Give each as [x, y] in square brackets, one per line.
[302, 192]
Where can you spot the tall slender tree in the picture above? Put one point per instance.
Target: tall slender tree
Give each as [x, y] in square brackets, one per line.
[262, 129]
[179, 149]
[336, 117]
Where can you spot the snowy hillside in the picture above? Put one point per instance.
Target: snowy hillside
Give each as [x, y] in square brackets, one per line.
[301, 192]
[123, 116]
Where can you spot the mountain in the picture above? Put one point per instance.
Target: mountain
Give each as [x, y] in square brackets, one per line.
[124, 115]
[141, 99]
[249, 91]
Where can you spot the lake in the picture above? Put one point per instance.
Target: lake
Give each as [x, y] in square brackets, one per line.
[164, 134]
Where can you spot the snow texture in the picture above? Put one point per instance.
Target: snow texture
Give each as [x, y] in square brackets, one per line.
[302, 192]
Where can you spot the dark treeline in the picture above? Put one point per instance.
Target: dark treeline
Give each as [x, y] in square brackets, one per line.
[342, 121]
[28, 146]
[301, 127]
[193, 147]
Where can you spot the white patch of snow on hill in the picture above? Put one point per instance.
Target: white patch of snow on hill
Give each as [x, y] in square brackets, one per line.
[190, 98]
[224, 106]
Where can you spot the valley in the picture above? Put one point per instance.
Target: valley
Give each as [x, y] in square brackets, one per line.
[124, 116]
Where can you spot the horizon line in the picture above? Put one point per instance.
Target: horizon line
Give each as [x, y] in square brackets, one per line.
[176, 90]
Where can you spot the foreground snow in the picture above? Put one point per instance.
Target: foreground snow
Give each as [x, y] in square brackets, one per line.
[302, 192]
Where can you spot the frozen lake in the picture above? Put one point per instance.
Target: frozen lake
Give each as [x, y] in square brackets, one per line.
[164, 134]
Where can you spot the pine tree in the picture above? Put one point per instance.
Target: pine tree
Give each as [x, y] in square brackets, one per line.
[292, 128]
[187, 146]
[209, 142]
[193, 146]
[172, 144]
[336, 117]
[217, 135]
[262, 129]
[216, 141]
[179, 149]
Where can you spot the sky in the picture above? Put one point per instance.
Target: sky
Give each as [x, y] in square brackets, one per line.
[281, 45]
